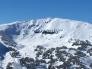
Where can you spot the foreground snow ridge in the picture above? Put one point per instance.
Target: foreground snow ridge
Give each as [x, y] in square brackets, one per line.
[51, 43]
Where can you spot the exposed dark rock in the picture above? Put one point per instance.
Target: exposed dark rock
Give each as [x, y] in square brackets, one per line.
[9, 66]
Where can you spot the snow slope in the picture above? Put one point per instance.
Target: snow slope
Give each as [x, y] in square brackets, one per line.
[22, 38]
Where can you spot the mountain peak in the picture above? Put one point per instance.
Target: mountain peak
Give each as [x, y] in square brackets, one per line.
[46, 44]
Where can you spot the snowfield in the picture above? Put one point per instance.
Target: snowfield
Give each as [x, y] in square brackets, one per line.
[51, 43]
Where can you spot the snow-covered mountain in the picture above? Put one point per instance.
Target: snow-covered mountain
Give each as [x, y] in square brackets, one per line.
[51, 43]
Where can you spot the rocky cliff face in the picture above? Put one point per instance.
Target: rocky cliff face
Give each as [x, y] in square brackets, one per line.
[51, 43]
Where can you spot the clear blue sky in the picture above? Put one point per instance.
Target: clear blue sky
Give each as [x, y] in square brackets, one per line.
[14, 10]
